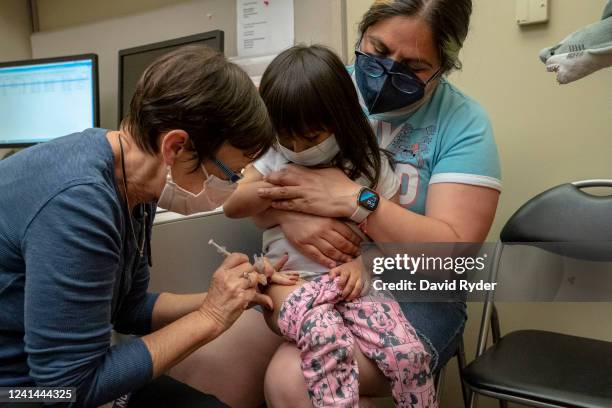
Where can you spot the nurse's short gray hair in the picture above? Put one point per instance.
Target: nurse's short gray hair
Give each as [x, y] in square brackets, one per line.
[196, 89]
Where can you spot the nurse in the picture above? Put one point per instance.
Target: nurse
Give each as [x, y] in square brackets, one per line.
[446, 158]
[75, 229]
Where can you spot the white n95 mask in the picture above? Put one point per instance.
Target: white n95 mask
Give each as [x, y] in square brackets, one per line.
[322, 153]
[214, 193]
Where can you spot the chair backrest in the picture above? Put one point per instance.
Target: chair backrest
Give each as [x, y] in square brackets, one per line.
[563, 214]
[566, 214]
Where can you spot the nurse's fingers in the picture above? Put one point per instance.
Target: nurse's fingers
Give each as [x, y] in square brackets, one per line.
[251, 279]
[242, 277]
[263, 265]
[242, 269]
[234, 259]
[262, 300]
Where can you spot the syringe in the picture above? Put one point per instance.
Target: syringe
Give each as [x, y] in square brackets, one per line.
[220, 249]
[259, 264]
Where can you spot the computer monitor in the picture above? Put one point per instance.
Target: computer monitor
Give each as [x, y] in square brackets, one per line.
[43, 99]
[134, 61]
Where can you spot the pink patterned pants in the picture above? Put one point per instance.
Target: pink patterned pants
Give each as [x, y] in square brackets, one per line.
[325, 329]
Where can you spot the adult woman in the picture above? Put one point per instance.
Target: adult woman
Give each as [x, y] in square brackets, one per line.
[75, 227]
[443, 144]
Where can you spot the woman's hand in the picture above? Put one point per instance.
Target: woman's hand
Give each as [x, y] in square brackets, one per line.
[352, 278]
[323, 192]
[232, 289]
[324, 240]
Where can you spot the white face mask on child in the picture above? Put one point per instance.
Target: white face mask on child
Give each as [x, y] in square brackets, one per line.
[322, 153]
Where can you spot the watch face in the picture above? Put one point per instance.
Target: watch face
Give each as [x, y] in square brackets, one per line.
[368, 199]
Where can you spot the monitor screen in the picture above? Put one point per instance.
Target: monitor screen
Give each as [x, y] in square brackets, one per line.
[44, 99]
[134, 61]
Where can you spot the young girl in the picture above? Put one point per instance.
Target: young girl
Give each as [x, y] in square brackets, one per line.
[315, 111]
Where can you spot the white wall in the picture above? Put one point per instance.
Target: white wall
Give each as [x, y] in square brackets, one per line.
[547, 133]
[15, 29]
[317, 21]
[57, 14]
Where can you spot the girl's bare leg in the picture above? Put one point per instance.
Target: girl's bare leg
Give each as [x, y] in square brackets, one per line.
[232, 367]
[278, 294]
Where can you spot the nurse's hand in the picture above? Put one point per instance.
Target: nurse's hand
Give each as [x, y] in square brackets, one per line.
[323, 192]
[232, 289]
[272, 274]
[327, 241]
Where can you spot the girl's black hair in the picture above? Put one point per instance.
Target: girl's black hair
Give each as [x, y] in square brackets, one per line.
[307, 89]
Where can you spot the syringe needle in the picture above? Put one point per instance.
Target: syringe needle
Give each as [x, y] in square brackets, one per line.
[220, 249]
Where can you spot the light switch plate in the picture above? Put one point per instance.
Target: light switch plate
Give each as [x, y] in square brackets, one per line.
[531, 11]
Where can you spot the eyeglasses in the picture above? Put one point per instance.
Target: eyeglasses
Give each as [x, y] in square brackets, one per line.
[231, 175]
[407, 83]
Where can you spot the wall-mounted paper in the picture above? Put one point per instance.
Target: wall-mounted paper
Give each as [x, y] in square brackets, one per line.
[254, 66]
[264, 26]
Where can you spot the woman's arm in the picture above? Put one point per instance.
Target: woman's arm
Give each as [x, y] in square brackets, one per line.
[170, 307]
[223, 304]
[454, 212]
[269, 218]
[244, 202]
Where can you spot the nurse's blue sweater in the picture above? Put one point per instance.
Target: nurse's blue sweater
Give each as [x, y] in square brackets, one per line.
[70, 272]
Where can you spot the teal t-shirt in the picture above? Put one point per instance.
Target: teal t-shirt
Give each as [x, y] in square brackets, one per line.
[449, 139]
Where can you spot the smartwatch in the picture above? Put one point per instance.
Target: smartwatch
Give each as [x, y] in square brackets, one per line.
[367, 202]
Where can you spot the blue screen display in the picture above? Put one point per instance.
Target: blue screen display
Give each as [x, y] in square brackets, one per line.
[44, 101]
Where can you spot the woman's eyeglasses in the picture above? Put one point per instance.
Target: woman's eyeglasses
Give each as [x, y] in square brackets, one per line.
[232, 176]
[406, 82]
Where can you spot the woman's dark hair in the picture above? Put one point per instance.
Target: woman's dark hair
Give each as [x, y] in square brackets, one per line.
[307, 89]
[196, 89]
[449, 21]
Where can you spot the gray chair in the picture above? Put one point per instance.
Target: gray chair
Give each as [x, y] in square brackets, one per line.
[440, 374]
[539, 368]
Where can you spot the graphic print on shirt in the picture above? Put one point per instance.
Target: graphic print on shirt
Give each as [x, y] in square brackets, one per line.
[409, 147]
